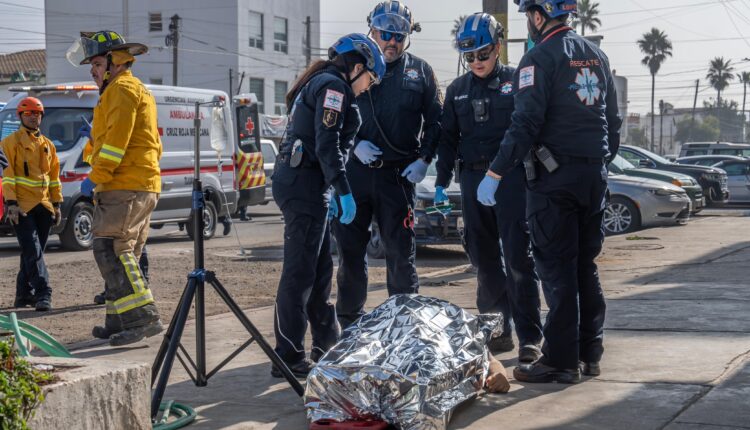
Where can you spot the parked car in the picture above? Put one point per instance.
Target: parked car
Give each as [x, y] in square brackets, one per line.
[639, 202]
[620, 165]
[430, 229]
[269, 151]
[707, 160]
[738, 172]
[713, 180]
[715, 148]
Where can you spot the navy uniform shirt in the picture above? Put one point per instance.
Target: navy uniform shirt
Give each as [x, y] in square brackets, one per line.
[325, 118]
[476, 115]
[407, 96]
[566, 101]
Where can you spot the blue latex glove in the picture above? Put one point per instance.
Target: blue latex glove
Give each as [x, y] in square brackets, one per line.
[85, 131]
[348, 209]
[440, 195]
[87, 187]
[416, 171]
[333, 209]
[367, 152]
[486, 191]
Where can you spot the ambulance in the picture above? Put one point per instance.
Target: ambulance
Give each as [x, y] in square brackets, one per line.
[231, 162]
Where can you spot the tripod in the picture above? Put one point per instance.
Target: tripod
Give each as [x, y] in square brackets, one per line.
[194, 291]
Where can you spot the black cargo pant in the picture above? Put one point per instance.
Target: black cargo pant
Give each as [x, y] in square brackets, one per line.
[305, 284]
[383, 194]
[497, 241]
[32, 232]
[565, 210]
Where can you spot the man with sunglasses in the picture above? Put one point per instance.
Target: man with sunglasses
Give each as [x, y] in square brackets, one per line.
[566, 116]
[476, 114]
[31, 188]
[388, 158]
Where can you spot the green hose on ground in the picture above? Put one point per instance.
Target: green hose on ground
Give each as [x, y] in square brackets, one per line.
[182, 414]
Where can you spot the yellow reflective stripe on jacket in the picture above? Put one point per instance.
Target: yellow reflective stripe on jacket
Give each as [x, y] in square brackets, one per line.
[133, 272]
[53, 184]
[21, 180]
[133, 301]
[111, 153]
[110, 307]
[9, 181]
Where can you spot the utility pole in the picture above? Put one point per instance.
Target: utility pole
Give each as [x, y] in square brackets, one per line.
[661, 127]
[239, 86]
[125, 15]
[230, 82]
[692, 118]
[499, 9]
[308, 42]
[173, 39]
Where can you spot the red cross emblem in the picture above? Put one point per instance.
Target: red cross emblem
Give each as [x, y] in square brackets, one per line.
[249, 125]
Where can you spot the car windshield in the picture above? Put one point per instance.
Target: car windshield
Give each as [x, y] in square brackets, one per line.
[60, 125]
[622, 163]
[659, 159]
[268, 155]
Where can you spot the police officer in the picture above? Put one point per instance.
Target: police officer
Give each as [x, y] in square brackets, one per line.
[476, 115]
[566, 115]
[323, 120]
[390, 157]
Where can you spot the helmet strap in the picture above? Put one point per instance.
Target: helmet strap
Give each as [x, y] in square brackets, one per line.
[107, 74]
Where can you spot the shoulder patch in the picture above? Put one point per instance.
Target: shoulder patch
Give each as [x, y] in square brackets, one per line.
[333, 100]
[526, 77]
[330, 117]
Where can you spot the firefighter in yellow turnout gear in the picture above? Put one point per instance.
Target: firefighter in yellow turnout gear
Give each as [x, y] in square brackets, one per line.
[31, 188]
[125, 182]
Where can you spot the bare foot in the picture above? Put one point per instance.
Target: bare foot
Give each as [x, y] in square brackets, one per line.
[497, 380]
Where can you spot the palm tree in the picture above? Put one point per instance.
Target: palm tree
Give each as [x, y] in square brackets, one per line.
[719, 75]
[587, 16]
[657, 47]
[454, 31]
[744, 78]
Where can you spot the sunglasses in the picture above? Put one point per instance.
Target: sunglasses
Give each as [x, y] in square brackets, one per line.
[30, 113]
[388, 35]
[482, 55]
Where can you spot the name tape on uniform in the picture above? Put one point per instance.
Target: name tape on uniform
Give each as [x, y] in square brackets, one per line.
[334, 100]
[526, 77]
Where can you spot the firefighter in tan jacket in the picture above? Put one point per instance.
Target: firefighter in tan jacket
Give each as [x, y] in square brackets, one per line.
[125, 182]
[31, 189]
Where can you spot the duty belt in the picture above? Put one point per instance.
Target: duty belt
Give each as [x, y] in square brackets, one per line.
[483, 165]
[389, 164]
[306, 164]
[567, 159]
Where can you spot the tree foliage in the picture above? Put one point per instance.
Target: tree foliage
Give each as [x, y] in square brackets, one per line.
[588, 16]
[706, 130]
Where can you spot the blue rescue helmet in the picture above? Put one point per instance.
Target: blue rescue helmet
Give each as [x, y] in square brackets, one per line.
[553, 8]
[365, 47]
[477, 31]
[392, 16]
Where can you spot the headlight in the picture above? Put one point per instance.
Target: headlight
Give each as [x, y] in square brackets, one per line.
[666, 192]
[679, 183]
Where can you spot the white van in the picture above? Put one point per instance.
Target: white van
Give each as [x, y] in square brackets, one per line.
[68, 106]
[714, 148]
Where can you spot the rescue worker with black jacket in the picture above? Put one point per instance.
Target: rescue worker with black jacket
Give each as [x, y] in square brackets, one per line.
[389, 158]
[323, 119]
[476, 115]
[566, 115]
[125, 182]
[31, 188]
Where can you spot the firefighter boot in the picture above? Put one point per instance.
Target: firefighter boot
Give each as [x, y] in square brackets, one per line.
[112, 325]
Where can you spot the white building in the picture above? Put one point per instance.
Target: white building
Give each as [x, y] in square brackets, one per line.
[264, 39]
[621, 84]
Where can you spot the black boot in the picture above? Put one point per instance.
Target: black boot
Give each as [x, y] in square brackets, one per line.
[502, 343]
[22, 302]
[227, 223]
[529, 353]
[590, 368]
[43, 305]
[135, 334]
[540, 373]
[299, 369]
[112, 325]
[99, 298]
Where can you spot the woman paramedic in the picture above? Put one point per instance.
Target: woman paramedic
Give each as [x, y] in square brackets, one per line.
[323, 119]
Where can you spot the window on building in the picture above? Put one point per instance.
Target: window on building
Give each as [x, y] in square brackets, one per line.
[156, 81]
[255, 27]
[257, 88]
[154, 22]
[280, 35]
[279, 97]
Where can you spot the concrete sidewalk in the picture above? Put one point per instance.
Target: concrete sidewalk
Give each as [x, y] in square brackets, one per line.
[677, 347]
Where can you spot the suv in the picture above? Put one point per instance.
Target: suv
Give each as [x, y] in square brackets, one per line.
[714, 148]
[713, 180]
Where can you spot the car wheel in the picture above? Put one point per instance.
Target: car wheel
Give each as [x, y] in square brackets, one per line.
[376, 247]
[78, 234]
[621, 216]
[210, 219]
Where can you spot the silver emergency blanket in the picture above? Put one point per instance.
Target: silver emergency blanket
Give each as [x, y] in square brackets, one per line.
[409, 362]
